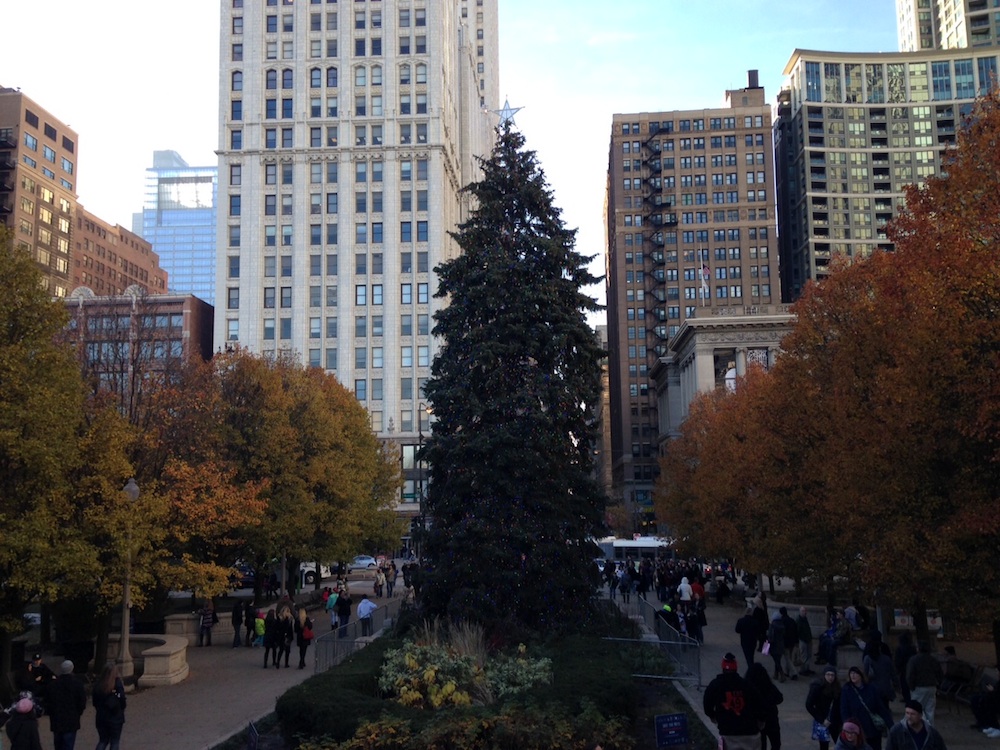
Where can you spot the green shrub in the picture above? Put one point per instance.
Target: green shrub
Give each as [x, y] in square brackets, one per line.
[445, 669]
[336, 702]
[592, 697]
[475, 729]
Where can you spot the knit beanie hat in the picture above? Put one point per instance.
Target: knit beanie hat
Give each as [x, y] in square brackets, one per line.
[729, 663]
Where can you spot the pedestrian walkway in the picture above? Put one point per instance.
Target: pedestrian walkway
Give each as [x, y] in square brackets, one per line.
[226, 689]
[796, 724]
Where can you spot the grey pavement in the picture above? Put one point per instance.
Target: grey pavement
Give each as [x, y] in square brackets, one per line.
[796, 725]
[226, 688]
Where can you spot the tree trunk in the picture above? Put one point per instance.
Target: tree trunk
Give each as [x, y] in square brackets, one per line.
[101, 645]
[7, 692]
[831, 599]
[923, 633]
[45, 626]
[996, 641]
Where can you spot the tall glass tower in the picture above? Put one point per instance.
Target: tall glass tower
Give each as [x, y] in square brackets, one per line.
[178, 219]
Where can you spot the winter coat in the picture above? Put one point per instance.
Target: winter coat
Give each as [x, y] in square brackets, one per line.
[746, 626]
[880, 673]
[853, 702]
[733, 703]
[66, 703]
[110, 707]
[823, 703]
[22, 729]
[776, 637]
[300, 639]
[901, 739]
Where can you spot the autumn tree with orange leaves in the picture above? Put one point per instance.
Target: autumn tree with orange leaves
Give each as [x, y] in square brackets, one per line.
[878, 430]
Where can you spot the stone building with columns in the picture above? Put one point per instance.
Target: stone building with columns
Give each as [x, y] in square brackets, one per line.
[714, 351]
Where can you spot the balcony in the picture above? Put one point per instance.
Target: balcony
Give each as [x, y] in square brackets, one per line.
[7, 140]
[655, 239]
[653, 165]
[656, 258]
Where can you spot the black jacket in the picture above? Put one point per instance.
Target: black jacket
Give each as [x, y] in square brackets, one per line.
[746, 626]
[22, 729]
[734, 705]
[66, 702]
[110, 707]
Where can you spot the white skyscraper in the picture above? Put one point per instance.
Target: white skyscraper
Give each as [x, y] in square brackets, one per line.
[946, 24]
[346, 133]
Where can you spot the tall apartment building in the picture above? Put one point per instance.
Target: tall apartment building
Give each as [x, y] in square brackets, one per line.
[691, 233]
[946, 24]
[108, 258]
[346, 133]
[179, 218]
[853, 130]
[38, 159]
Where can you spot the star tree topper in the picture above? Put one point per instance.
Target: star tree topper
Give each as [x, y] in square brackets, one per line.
[507, 113]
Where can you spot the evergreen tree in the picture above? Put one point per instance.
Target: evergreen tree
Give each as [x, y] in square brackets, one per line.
[512, 505]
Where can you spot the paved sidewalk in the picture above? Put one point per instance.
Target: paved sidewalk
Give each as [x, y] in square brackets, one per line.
[226, 689]
[796, 724]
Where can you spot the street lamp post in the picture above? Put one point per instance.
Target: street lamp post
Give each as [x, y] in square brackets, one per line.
[125, 666]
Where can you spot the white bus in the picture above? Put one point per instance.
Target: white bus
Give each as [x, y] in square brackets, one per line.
[613, 548]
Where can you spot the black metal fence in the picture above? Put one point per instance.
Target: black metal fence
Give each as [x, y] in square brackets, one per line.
[333, 647]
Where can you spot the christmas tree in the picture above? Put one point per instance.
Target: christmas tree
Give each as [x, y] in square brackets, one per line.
[512, 504]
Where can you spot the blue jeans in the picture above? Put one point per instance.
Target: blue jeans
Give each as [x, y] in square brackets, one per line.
[63, 740]
[110, 735]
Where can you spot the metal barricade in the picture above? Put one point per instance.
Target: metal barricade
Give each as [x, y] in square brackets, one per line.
[680, 651]
[333, 647]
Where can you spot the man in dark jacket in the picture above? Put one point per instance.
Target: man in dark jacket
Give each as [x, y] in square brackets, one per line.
[746, 626]
[237, 620]
[732, 703]
[923, 675]
[66, 701]
[913, 733]
[35, 677]
[791, 643]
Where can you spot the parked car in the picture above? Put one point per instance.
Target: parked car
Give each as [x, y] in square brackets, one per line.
[308, 571]
[243, 577]
[362, 562]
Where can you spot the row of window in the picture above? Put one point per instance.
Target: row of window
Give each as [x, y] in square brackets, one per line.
[898, 82]
[329, 172]
[696, 124]
[329, 234]
[364, 326]
[328, 137]
[415, 44]
[363, 263]
[361, 295]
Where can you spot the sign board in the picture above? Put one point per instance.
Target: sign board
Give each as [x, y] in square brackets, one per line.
[904, 621]
[672, 730]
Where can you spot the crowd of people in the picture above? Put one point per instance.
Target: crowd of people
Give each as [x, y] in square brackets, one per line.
[850, 716]
[855, 713]
[677, 584]
[63, 699]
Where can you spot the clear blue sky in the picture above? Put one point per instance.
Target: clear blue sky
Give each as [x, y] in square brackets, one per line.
[133, 77]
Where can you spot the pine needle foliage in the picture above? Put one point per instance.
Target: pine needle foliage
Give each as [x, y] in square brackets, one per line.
[512, 503]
